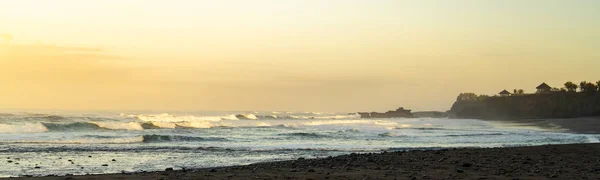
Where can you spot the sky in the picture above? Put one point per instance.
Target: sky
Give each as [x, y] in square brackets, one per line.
[288, 55]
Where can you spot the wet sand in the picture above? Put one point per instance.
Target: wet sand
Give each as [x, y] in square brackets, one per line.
[583, 125]
[576, 161]
[587, 125]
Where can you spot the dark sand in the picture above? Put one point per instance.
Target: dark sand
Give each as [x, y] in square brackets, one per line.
[576, 161]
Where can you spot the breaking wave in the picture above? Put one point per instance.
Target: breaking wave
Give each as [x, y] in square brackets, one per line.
[78, 126]
[198, 124]
[165, 117]
[120, 125]
[159, 125]
[86, 126]
[37, 123]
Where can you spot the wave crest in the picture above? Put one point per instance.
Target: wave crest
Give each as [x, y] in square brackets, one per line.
[120, 125]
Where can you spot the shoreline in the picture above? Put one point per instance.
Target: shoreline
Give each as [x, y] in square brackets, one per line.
[580, 125]
[570, 161]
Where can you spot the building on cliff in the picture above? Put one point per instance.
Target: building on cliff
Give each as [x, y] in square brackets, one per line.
[543, 88]
[504, 93]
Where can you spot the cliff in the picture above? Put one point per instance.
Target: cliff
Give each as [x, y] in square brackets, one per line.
[530, 106]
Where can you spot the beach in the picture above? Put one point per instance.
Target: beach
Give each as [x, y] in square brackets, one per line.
[574, 161]
[295, 146]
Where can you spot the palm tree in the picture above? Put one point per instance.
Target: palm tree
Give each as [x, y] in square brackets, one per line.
[571, 87]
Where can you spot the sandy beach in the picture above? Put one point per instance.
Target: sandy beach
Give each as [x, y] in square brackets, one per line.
[575, 161]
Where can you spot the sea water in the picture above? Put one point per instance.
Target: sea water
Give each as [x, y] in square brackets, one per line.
[43, 143]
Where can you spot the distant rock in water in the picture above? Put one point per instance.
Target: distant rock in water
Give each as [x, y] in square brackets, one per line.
[430, 114]
[398, 113]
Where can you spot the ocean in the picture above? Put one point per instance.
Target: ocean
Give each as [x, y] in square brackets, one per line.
[41, 143]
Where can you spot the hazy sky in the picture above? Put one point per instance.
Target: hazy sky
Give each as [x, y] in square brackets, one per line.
[290, 55]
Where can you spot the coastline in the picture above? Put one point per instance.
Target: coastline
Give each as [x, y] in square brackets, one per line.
[571, 161]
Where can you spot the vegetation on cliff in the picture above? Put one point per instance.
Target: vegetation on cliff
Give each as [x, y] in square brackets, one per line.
[565, 102]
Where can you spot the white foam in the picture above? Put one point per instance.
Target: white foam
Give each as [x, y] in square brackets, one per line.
[196, 124]
[23, 128]
[334, 122]
[250, 116]
[229, 117]
[262, 124]
[404, 126]
[120, 125]
[593, 139]
[165, 117]
[164, 125]
[335, 117]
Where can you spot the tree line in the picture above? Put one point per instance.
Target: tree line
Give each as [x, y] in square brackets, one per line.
[583, 87]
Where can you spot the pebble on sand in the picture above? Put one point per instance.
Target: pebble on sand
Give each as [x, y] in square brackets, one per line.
[467, 165]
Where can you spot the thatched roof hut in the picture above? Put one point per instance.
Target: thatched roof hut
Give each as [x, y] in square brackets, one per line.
[504, 93]
[542, 88]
